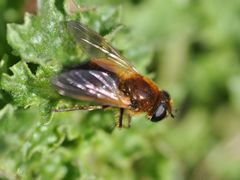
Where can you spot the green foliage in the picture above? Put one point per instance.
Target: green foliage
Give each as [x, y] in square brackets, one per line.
[28, 89]
[189, 48]
[44, 34]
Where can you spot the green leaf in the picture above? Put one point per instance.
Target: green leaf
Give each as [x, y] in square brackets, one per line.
[28, 89]
[42, 38]
[4, 99]
[3, 65]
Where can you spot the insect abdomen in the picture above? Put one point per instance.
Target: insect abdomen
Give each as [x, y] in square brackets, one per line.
[143, 93]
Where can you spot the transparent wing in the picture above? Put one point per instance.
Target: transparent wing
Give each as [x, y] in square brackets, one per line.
[91, 85]
[96, 45]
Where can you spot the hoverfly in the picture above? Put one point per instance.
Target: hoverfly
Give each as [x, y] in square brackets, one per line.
[110, 80]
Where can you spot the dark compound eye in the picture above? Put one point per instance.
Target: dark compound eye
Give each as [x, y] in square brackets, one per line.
[165, 94]
[160, 113]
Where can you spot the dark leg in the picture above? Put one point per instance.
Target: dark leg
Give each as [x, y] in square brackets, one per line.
[129, 120]
[76, 108]
[119, 125]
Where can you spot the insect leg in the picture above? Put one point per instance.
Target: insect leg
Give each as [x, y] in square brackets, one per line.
[129, 120]
[119, 124]
[76, 108]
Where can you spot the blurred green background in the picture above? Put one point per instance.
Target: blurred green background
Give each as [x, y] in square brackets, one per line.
[190, 48]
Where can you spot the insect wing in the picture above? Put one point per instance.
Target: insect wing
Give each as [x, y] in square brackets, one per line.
[91, 85]
[95, 45]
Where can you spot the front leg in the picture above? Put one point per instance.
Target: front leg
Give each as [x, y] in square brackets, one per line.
[119, 123]
[129, 120]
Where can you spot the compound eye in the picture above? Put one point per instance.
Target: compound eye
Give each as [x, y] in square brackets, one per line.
[160, 113]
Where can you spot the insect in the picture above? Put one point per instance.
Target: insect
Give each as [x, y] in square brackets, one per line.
[110, 80]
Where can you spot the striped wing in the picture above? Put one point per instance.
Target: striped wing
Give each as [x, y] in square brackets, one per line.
[96, 46]
[91, 85]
